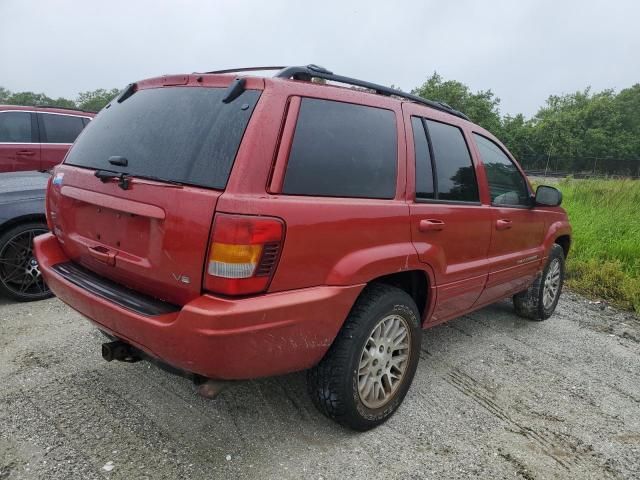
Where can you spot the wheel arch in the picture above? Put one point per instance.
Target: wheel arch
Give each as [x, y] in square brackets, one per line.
[565, 242]
[559, 232]
[393, 264]
[414, 282]
[27, 218]
[417, 284]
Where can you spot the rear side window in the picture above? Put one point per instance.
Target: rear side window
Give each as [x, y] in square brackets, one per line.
[342, 150]
[182, 134]
[424, 170]
[506, 184]
[60, 128]
[15, 127]
[455, 176]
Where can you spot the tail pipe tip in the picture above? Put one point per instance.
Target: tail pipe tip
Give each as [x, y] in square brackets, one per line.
[121, 351]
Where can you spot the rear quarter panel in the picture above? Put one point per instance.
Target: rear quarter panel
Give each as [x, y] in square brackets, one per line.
[328, 241]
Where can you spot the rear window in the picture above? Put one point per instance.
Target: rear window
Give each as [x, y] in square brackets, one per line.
[182, 134]
[58, 128]
[342, 150]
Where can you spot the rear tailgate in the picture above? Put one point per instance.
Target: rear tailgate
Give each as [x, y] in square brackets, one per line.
[149, 230]
[152, 237]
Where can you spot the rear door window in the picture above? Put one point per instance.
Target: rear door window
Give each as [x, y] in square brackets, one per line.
[424, 169]
[342, 150]
[57, 128]
[454, 172]
[15, 127]
[182, 134]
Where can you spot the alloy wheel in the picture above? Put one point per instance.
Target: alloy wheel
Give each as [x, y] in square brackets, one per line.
[551, 284]
[19, 270]
[384, 361]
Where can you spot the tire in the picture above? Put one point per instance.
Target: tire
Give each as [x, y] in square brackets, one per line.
[386, 312]
[20, 277]
[533, 303]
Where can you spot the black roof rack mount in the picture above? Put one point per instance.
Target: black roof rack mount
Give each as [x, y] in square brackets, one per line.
[315, 71]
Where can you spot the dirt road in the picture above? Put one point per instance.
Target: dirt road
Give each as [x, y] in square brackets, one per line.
[494, 397]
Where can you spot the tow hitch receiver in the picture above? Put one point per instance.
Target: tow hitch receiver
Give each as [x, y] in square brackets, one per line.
[118, 350]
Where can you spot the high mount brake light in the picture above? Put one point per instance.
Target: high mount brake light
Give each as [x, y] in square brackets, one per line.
[243, 254]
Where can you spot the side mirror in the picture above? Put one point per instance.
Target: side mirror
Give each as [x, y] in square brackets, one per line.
[548, 196]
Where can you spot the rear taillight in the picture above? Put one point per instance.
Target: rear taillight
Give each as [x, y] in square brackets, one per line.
[243, 254]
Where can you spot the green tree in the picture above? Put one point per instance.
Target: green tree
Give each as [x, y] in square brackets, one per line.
[481, 107]
[34, 99]
[517, 133]
[585, 124]
[4, 95]
[95, 100]
[91, 100]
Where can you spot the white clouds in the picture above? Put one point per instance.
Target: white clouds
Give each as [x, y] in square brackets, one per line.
[523, 50]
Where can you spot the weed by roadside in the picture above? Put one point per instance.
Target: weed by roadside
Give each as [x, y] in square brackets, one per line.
[605, 256]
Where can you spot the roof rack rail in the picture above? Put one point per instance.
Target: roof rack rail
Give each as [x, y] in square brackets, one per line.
[315, 71]
[245, 69]
[64, 108]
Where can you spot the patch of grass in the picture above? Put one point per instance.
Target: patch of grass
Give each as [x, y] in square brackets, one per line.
[605, 255]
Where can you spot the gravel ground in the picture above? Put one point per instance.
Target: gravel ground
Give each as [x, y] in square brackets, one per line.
[495, 396]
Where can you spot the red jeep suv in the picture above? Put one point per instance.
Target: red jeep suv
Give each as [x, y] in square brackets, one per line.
[37, 138]
[237, 227]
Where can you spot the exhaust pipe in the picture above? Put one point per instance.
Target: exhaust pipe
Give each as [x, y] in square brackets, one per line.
[119, 350]
[122, 351]
[209, 388]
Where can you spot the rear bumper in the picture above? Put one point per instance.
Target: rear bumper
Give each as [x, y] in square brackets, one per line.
[216, 337]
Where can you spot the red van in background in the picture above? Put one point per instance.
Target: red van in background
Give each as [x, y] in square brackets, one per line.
[37, 138]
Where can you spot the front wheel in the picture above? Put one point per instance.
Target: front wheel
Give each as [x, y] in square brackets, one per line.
[539, 301]
[368, 370]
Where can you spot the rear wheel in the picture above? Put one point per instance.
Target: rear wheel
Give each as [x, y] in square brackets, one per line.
[367, 372]
[20, 277]
[539, 301]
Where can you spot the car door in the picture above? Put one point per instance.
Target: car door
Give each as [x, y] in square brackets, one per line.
[19, 148]
[58, 132]
[450, 227]
[516, 247]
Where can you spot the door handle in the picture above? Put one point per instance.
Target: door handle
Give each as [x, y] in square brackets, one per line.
[26, 153]
[503, 224]
[431, 225]
[103, 255]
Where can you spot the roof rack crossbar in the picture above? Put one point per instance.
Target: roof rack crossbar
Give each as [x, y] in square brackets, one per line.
[245, 69]
[313, 71]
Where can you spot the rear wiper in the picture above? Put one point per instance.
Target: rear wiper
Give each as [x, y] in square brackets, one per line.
[124, 178]
[106, 175]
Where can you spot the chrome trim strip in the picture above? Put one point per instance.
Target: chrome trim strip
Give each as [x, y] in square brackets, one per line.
[48, 113]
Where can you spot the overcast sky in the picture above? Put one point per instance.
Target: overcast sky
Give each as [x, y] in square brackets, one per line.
[523, 50]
